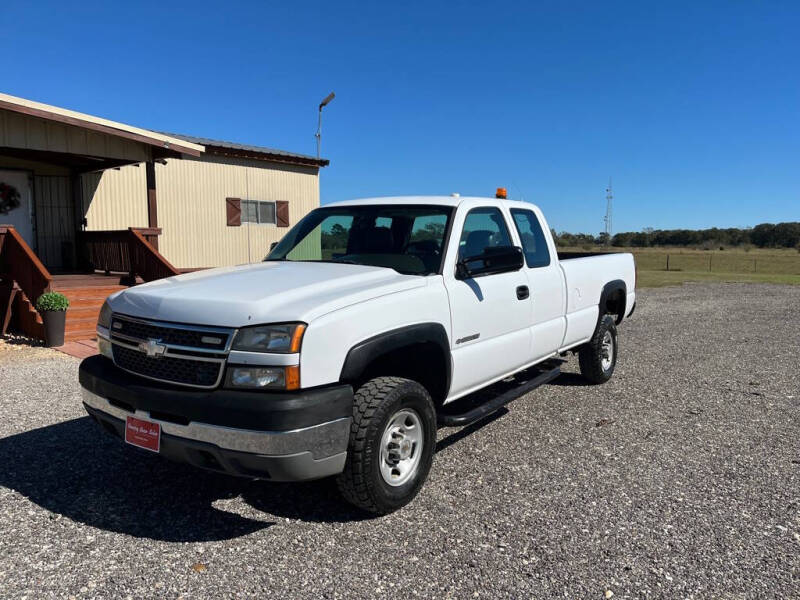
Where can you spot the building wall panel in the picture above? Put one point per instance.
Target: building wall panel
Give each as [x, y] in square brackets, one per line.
[56, 139]
[36, 133]
[115, 199]
[191, 205]
[15, 130]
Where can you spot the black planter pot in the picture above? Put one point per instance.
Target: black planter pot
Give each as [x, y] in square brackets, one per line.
[54, 321]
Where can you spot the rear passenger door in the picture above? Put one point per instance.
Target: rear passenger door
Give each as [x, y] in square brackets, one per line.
[546, 283]
[490, 314]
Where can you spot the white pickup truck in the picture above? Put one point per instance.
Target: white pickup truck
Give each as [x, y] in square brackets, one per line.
[343, 350]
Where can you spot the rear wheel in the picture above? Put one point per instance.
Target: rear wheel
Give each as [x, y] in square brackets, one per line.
[598, 356]
[392, 440]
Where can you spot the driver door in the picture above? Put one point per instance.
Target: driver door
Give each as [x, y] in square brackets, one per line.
[491, 314]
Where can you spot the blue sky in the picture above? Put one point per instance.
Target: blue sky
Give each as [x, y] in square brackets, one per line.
[692, 107]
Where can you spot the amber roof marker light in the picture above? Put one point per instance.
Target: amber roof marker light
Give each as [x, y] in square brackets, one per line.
[501, 193]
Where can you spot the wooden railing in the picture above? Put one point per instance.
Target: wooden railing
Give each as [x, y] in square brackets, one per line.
[19, 264]
[128, 251]
[149, 264]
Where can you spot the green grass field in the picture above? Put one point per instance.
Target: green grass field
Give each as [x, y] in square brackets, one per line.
[673, 266]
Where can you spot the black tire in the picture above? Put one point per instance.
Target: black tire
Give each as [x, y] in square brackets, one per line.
[592, 353]
[376, 402]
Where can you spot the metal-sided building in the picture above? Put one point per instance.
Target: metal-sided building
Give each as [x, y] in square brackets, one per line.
[224, 207]
[80, 195]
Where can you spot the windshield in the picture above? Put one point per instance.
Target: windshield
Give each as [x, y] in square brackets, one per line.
[406, 238]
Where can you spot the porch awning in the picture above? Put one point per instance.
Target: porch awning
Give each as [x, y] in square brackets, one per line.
[166, 143]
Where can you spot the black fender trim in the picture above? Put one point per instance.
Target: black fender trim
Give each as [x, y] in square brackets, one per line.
[362, 354]
[612, 287]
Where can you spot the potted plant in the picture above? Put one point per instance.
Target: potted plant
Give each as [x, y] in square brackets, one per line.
[53, 308]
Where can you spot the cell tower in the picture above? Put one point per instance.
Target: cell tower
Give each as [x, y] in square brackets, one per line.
[607, 218]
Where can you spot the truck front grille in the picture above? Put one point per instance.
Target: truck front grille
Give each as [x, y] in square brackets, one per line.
[210, 338]
[170, 352]
[167, 368]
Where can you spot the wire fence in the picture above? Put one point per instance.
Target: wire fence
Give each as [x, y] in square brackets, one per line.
[718, 263]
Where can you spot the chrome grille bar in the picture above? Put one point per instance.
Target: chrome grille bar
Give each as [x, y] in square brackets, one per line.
[185, 361]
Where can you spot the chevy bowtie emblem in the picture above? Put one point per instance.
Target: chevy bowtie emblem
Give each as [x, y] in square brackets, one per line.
[152, 348]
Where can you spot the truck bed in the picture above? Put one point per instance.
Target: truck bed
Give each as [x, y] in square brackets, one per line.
[569, 255]
[585, 274]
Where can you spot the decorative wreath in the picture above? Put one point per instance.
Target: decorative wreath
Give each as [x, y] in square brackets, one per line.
[9, 198]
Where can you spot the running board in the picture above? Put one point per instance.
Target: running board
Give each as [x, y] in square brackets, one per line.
[498, 402]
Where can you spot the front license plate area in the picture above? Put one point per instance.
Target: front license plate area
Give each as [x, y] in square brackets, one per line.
[143, 434]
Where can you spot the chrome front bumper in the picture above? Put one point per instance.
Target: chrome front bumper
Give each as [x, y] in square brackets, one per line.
[299, 454]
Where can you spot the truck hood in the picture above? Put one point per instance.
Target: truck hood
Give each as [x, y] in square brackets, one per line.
[267, 292]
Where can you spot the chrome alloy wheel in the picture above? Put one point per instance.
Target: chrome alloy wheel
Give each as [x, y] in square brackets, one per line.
[607, 350]
[401, 447]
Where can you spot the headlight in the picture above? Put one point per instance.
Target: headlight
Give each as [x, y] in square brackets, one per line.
[279, 339]
[104, 320]
[283, 378]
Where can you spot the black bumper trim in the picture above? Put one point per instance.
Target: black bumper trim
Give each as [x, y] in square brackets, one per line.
[260, 411]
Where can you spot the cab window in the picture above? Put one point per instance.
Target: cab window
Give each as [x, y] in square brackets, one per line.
[534, 244]
[483, 228]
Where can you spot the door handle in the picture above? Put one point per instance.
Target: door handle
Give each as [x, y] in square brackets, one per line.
[523, 292]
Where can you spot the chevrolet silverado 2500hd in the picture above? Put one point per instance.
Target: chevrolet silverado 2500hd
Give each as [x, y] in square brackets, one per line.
[338, 354]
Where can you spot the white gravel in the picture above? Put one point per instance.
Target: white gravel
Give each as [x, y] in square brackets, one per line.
[677, 479]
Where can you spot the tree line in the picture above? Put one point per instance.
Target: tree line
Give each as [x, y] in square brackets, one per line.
[765, 235]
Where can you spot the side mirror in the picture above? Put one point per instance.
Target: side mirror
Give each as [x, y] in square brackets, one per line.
[495, 259]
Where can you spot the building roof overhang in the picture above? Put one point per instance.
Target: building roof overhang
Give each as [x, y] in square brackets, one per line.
[167, 144]
[238, 150]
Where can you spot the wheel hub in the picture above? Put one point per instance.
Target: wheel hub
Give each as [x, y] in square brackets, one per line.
[607, 351]
[401, 447]
[405, 448]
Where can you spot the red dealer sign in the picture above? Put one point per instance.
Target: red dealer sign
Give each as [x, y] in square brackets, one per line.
[143, 434]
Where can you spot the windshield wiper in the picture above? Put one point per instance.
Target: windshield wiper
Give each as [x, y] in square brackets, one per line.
[336, 261]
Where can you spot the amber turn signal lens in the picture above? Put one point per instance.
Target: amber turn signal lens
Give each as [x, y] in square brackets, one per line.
[297, 338]
[293, 377]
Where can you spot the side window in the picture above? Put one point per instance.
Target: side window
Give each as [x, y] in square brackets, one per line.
[254, 211]
[534, 244]
[483, 228]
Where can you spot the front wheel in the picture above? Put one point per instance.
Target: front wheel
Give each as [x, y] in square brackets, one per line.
[598, 356]
[391, 446]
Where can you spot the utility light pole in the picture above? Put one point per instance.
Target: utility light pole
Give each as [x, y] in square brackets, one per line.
[318, 135]
[607, 218]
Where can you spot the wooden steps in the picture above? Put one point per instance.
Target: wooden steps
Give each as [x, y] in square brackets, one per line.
[126, 255]
[30, 321]
[85, 303]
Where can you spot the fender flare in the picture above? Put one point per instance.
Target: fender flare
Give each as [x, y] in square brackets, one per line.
[612, 287]
[365, 352]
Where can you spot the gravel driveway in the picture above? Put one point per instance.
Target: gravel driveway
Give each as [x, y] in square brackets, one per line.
[680, 478]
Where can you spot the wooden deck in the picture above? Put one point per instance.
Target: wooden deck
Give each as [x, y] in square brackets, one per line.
[85, 280]
[81, 349]
[128, 255]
